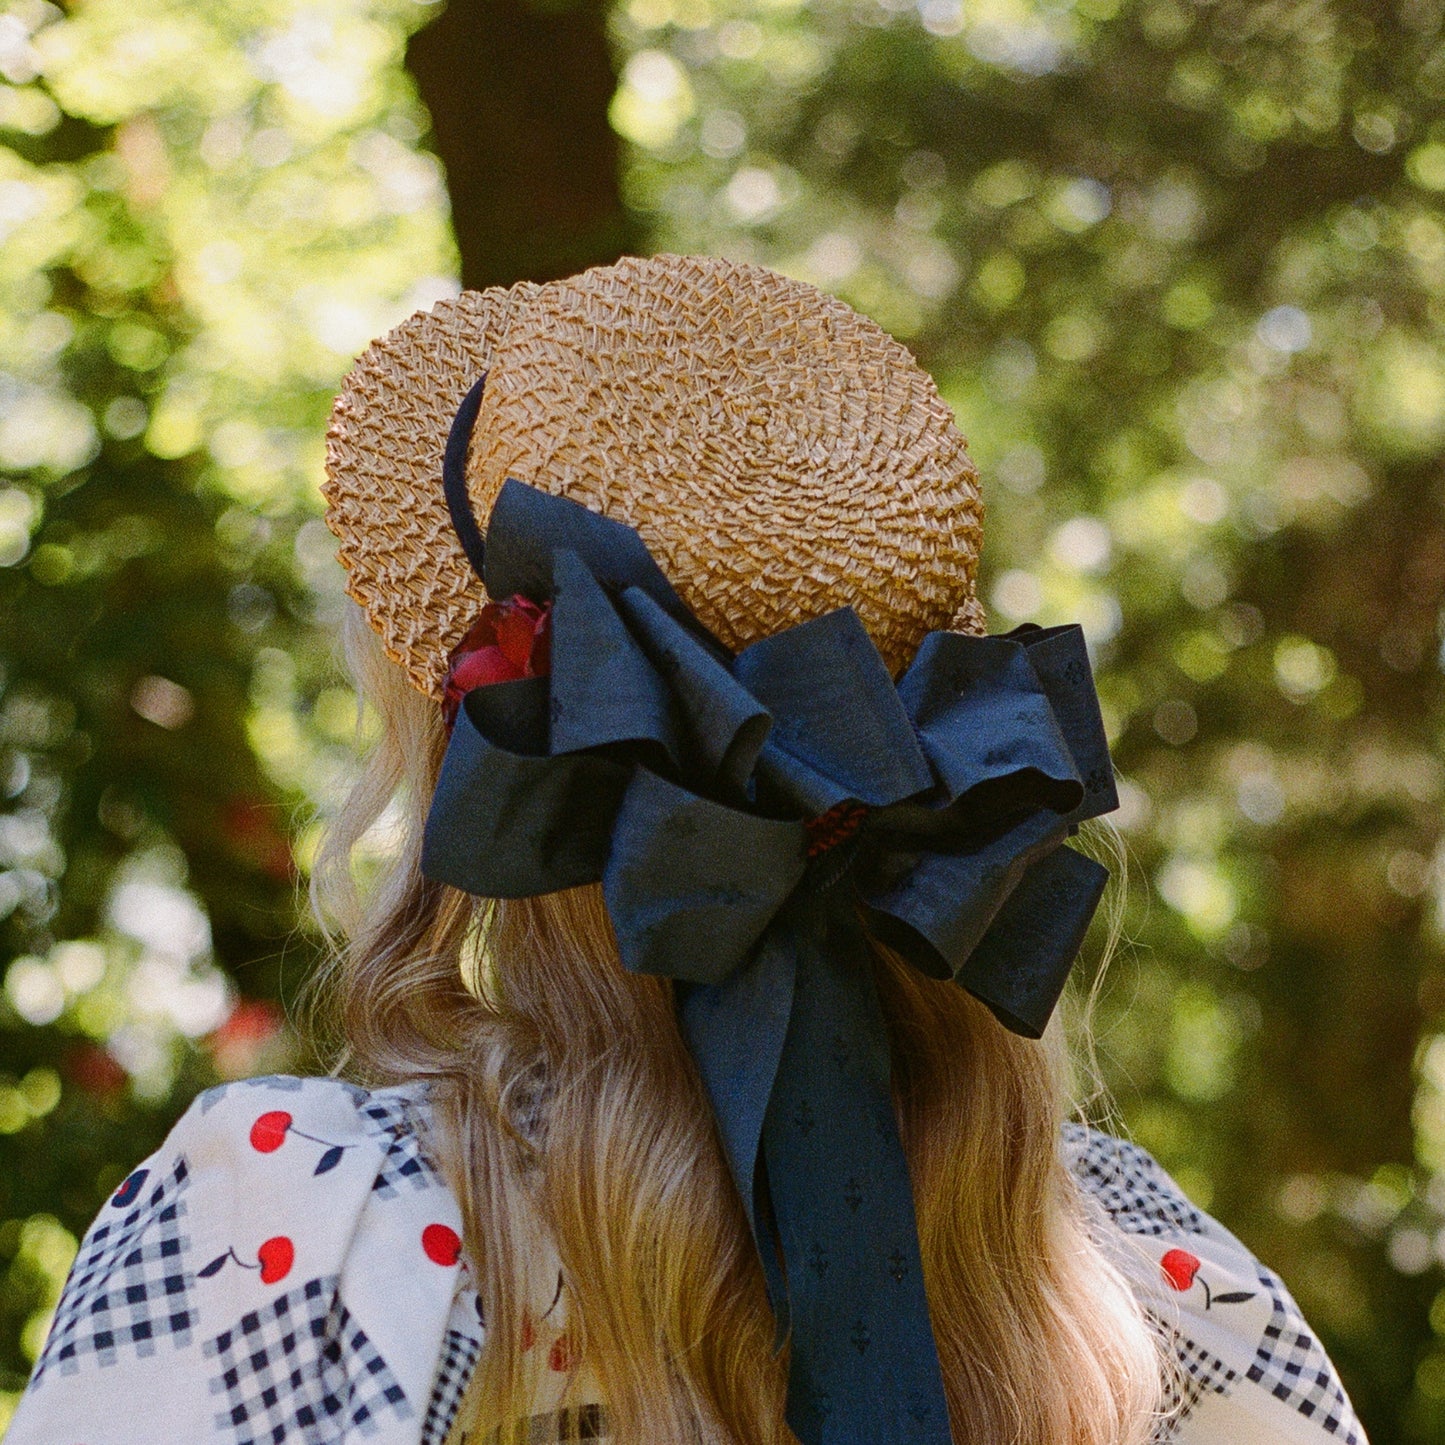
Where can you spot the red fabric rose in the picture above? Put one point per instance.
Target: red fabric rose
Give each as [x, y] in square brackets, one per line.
[510, 640]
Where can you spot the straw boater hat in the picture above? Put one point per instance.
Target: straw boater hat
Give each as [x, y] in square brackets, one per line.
[779, 454]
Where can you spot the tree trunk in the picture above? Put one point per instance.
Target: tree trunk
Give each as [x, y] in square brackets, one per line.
[518, 93]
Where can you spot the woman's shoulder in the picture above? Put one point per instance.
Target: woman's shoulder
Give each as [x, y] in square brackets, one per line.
[388, 1128]
[288, 1261]
[1250, 1369]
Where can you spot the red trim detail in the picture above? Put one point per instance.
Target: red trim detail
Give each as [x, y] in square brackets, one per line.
[835, 826]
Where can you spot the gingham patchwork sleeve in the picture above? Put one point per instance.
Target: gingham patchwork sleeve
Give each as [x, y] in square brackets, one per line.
[287, 1267]
[1252, 1372]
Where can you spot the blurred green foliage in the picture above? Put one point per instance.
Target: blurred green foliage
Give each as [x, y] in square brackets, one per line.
[207, 209]
[1180, 267]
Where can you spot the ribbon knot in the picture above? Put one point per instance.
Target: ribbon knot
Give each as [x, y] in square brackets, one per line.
[700, 789]
[837, 825]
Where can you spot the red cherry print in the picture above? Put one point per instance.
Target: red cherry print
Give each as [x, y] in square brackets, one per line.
[441, 1243]
[268, 1133]
[559, 1357]
[1179, 1268]
[277, 1256]
[127, 1192]
[529, 1333]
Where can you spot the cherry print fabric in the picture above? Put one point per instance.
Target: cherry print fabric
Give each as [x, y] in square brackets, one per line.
[1251, 1372]
[287, 1269]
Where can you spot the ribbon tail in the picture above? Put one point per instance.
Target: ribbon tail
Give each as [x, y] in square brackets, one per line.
[735, 1032]
[864, 1366]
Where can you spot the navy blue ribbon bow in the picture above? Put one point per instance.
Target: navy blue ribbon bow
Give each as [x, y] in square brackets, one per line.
[752, 820]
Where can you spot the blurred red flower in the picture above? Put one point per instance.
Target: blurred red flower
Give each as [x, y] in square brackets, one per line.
[237, 1046]
[91, 1068]
[254, 828]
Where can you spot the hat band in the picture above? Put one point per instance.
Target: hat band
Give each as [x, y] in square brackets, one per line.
[454, 478]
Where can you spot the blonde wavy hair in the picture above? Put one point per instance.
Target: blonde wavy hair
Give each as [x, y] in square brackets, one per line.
[1041, 1340]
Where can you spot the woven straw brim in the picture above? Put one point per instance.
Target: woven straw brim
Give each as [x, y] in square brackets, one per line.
[383, 485]
[780, 455]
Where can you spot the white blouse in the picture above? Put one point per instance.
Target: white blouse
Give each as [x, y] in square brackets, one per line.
[287, 1269]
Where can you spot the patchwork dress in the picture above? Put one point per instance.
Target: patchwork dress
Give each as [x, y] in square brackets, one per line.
[288, 1269]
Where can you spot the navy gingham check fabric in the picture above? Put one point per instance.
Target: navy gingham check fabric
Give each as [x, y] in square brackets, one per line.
[1139, 1196]
[459, 1358]
[393, 1120]
[1200, 1373]
[1293, 1367]
[301, 1369]
[130, 1286]
[252, 1282]
[1279, 1363]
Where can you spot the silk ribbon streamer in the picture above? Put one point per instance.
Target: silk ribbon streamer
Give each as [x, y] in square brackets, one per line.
[683, 778]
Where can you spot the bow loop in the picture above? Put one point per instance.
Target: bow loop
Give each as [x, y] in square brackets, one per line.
[728, 873]
[972, 883]
[840, 731]
[528, 527]
[721, 726]
[603, 690]
[996, 728]
[507, 819]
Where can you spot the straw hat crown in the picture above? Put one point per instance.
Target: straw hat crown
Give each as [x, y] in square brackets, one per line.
[779, 454]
